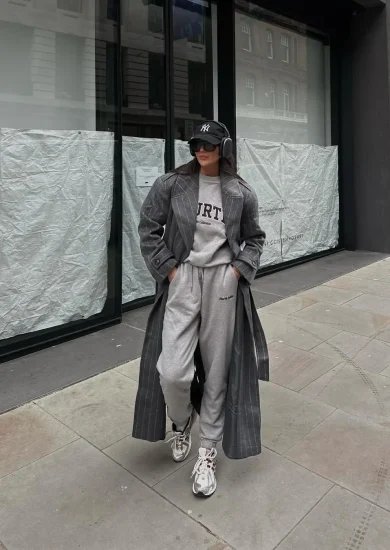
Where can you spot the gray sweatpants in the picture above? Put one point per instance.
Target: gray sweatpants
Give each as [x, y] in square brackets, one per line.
[201, 307]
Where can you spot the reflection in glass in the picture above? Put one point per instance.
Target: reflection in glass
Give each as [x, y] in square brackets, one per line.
[144, 128]
[285, 49]
[246, 35]
[57, 160]
[281, 82]
[143, 52]
[283, 134]
[270, 44]
[193, 65]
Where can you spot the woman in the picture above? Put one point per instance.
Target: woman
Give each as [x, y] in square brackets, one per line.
[201, 241]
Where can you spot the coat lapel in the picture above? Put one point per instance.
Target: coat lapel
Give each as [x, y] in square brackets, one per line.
[185, 205]
[232, 203]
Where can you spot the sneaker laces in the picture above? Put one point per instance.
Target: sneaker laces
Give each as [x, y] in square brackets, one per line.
[205, 462]
[177, 440]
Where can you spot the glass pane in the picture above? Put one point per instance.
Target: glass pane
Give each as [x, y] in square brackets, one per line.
[195, 69]
[283, 129]
[291, 85]
[144, 129]
[57, 166]
[143, 52]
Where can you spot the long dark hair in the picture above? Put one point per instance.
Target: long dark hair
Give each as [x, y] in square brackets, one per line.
[226, 165]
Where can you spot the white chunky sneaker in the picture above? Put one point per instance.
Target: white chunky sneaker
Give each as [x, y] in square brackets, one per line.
[205, 482]
[181, 441]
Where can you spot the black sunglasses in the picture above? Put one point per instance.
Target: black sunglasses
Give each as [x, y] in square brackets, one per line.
[196, 146]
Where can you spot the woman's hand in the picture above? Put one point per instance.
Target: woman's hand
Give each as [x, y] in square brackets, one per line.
[172, 274]
[236, 272]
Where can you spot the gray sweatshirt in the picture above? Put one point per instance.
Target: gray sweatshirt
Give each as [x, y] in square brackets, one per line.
[210, 247]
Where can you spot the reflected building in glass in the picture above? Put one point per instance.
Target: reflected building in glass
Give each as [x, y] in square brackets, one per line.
[282, 80]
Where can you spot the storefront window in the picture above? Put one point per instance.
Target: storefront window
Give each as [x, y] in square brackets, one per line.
[194, 29]
[144, 129]
[283, 134]
[285, 42]
[57, 168]
[69, 67]
[250, 90]
[193, 99]
[270, 44]
[246, 38]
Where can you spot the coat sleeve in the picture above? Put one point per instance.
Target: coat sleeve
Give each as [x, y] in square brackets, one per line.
[154, 213]
[248, 260]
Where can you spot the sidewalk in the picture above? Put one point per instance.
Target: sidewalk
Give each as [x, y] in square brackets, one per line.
[72, 477]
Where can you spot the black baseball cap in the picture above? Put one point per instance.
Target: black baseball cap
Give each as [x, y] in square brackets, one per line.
[210, 131]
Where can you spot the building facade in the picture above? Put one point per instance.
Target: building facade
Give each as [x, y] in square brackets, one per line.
[99, 97]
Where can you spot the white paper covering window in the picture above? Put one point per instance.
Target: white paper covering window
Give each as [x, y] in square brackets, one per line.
[55, 207]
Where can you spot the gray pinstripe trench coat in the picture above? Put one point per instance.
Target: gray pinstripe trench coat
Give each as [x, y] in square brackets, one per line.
[167, 227]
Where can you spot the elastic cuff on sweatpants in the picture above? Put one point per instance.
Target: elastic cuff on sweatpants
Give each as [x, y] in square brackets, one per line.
[208, 444]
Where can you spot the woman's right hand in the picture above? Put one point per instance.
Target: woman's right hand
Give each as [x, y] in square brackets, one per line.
[172, 274]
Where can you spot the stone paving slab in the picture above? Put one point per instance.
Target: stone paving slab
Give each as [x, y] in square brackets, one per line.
[327, 295]
[283, 329]
[384, 336]
[373, 304]
[27, 434]
[289, 305]
[287, 416]
[150, 462]
[294, 368]
[258, 501]
[345, 318]
[341, 521]
[350, 451]
[99, 409]
[362, 286]
[79, 498]
[347, 388]
[367, 353]
[386, 372]
[323, 332]
[377, 271]
[343, 346]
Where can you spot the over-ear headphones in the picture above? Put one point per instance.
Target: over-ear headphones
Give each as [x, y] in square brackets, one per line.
[226, 145]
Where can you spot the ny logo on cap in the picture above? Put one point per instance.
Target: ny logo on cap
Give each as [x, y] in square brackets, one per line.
[205, 128]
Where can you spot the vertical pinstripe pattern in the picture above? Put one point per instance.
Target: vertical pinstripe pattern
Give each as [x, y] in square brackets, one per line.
[172, 202]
